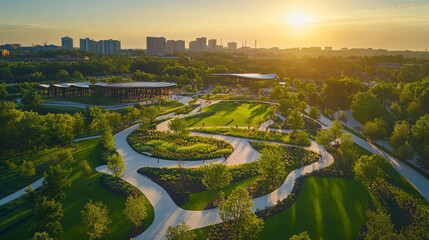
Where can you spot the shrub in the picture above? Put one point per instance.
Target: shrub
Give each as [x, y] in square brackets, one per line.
[118, 186]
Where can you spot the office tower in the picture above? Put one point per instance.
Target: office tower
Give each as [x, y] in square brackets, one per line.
[179, 45]
[212, 45]
[155, 45]
[201, 44]
[232, 45]
[193, 46]
[169, 46]
[110, 46]
[89, 45]
[67, 43]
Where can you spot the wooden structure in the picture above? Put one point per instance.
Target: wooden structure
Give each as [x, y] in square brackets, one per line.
[119, 91]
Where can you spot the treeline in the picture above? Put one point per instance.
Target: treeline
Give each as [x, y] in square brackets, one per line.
[26, 132]
[316, 69]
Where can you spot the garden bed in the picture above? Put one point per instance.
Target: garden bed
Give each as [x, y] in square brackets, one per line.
[186, 189]
[171, 146]
[252, 134]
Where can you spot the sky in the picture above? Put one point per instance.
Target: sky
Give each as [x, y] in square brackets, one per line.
[386, 24]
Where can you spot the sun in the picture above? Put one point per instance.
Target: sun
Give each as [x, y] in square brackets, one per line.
[299, 19]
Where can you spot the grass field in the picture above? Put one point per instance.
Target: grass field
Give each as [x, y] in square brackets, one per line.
[45, 109]
[328, 208]
[230, 114]
[77, 196]
[198, 201]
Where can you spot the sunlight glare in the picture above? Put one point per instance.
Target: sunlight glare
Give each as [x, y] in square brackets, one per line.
[299, 18]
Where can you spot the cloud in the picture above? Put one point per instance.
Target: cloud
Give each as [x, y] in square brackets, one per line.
[413, 5]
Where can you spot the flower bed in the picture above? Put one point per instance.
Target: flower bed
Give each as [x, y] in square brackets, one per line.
[171, 146]
[251, 133]
[181, 182]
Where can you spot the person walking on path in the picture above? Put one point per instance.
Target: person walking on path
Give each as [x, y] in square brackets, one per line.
[158, 160]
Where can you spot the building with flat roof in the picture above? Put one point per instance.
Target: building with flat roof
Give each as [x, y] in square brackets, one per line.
[179, 45]
[201, 44]
[155, 45]
[232, 45]
[67, 43]
[110, 46]
[193, 46]
[212, 45]
[89, 45]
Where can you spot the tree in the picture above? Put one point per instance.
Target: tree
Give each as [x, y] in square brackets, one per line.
[31, 100]
[301, 236]
[178, 126]
[379, 227]
[420, 132]
[133, 113]
[85, 168]
[27, 169]
[115, 163]
[180, 232]
[62, 75]
[56, 180]
[324, 138]
[107, 140]
[366, 106]
[60, 129]
[48, 214]
[368, 169]
[150, 113]
[302, 138]
[285, 106]
[336, 129]
[400, 141]
[41, 236]
[342, 116]
[77, 75]
[135, 210]
[95, 218]
[3, 94]
[347, 148]
[217, 89]
[62, 156]
[314, 112]
[376, 129]
[237, 212]
[79, 123]
[216, 175]
[271, 166]
[295, 121]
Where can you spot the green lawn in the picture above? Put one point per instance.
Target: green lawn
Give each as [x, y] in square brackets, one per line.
[327, 208]
[198, 201]
[44, 109]
[77, 196]
[230, 114]
[106, 101]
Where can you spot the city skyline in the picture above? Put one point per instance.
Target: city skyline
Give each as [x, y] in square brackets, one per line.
[388, 24]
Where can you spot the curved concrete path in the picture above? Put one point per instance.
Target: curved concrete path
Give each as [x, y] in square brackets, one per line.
[420, 182]
[167, 213]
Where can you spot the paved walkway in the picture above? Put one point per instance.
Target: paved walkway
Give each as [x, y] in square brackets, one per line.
[167, 213]
[416, 179]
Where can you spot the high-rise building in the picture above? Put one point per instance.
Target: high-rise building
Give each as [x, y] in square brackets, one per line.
[179, 45]
[89, 45]
[193, 46]
[67, 43]
[232, 45]
[328, 48]
[201, 44]
[212, 45]
[110, 46]
[169, 46]
[155, 45]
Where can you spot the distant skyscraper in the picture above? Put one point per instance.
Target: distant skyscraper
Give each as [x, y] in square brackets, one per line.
[155, 45]
[232, 45]
[89, 45]
[212, 45]
[107, 47]
[179, 45]
[169, 46]
[201, 44]
[67, 43]
[193, 46]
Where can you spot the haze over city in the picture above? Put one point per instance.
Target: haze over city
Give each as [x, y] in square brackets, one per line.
[387, 24]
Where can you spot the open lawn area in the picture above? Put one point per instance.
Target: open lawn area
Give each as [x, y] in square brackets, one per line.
[45, 109]
[328, 208]
[230, 114]
[81, 190]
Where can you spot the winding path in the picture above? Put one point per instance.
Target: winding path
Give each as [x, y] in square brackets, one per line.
[167, 213]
